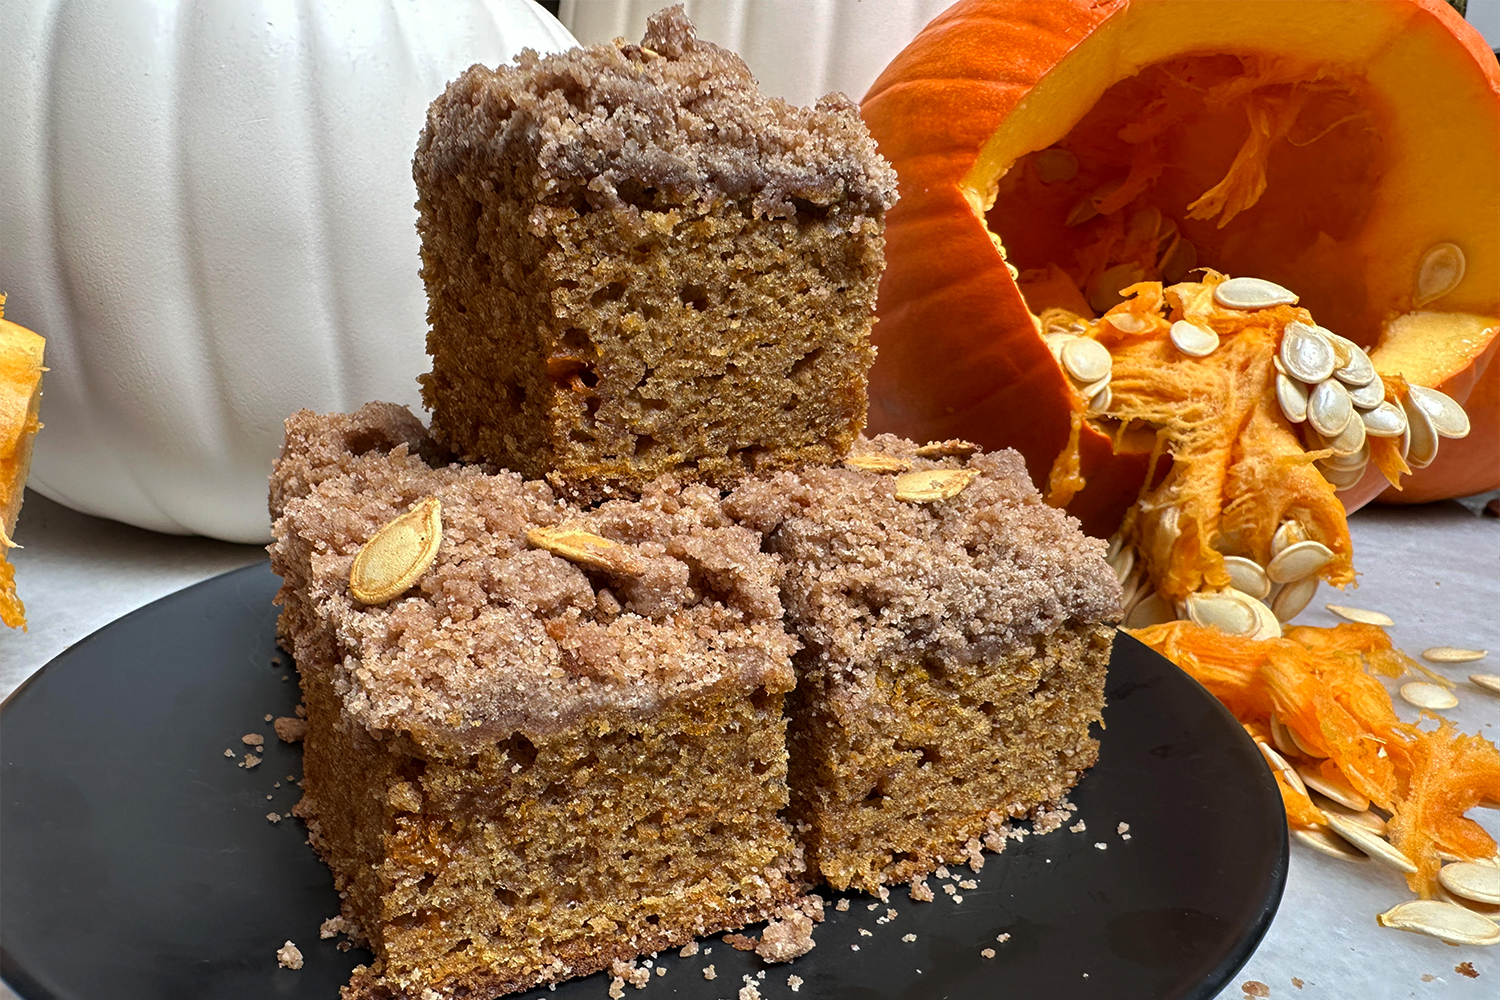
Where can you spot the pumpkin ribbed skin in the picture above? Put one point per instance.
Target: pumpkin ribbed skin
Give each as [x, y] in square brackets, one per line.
[959, 354]
[209, 214]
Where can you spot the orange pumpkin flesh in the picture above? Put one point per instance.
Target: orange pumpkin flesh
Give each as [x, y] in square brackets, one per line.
[20, 395]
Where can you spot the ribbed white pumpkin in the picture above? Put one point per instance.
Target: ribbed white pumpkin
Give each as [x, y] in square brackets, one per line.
[207, 209]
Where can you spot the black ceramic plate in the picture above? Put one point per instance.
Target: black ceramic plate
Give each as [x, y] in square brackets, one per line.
[138, 863]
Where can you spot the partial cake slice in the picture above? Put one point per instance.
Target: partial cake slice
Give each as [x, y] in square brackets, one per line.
[563, 746]
[637, 264]
[955, 635]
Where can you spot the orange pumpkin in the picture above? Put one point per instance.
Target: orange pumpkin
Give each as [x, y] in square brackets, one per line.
[1295, 144]
[20, 394]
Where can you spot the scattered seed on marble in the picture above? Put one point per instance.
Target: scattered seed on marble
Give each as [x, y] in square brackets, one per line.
[1292, 598]
[1329, 408]
[1292, 395]
[1193, 340]
[1085, 359]
[1339, 791]
[1247, 576]
[1252, 293]
[1376, 847]
[1325, 841]
[1424, 436]
[1297, 561]
[1480, 883]
[1448, 418]
[1445, 921]
[1305, 353]
[1452, 654]
[1438, 273]
[1367, 397]
[1363, 616]
[1490, 682]
[1385, 420]
[1424, 694]
[1487, 910]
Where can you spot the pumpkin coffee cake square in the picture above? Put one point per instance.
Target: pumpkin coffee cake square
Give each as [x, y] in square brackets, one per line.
[563, 746]
[955, 632]
[637, 264]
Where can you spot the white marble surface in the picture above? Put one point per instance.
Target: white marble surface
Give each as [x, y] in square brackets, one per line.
[1435, 569]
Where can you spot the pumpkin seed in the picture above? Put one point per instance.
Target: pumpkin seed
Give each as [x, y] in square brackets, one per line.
[1082, 211]
[1346, 442]
[1246, 576]
[1363, 616]
[1367, 397]
[1341, 346]
[1281, 735]
[1287, 533]
[1292, 395]
[586, 549]
[1116, 543]
[1056, 342]
[933, 484]
[1104, 291]
[1445, 921]
[1448, 418]
[1280, 766]
[1095, 387]
[1424, 694]
[1453, 654]
[1297, 561]
[1324, 841]
[1376, 847]
[1143, 224]
[398, 554]
[1253, 293]
[1343, 479]
[1486, 910]
[1100, 401]
[877, 463]
[1305, 353]
[1490, 682]
[1292, 598]
[1123, 562]
[1424, 437]
[1480, 883]
[1386, 420]
[1128, 322]
[1222, 612]
[947, 449]
[1133, 584]
[1055, 166]
[1266, 624]
[1357, 370]
[1302, 748]
[1165, 232]
[1151, 609]
[1329, 408]
[1440, 271]
[1366, 818]
[1177, 262]
[1193, 340]
[1338, 789]
[1346, 463]
[1085, 359]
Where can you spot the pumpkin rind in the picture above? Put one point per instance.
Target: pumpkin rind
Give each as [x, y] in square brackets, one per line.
[210, 210]
[21, 353]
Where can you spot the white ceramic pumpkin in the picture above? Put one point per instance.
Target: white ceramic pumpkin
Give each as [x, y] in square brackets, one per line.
[207, 209]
